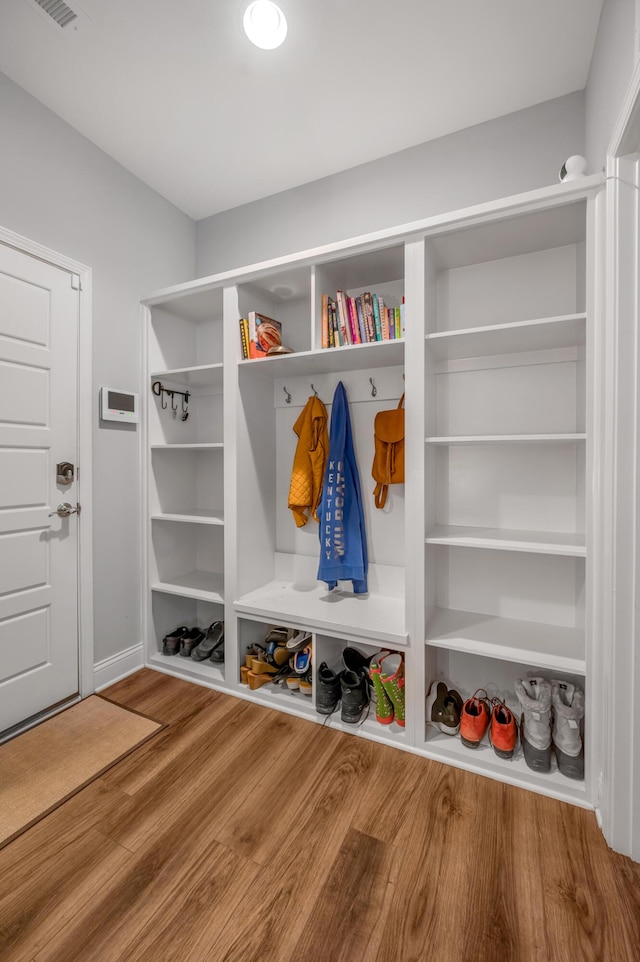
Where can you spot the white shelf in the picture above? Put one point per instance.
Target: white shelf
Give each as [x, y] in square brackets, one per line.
[204, 375]
[332, 360]
[202, 585]
[193, 516]
[505, 439]
[567, 330]
[188, 668]
[484, 761]
[392, 734]
[501, 539]
[273, 696]
[548, 647]
[207, 446]
[373, 619]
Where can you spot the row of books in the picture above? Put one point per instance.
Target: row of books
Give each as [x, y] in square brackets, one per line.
[259, 334]
[359, 320]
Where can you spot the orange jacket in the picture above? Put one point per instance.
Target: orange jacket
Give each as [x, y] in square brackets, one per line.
[307, 475]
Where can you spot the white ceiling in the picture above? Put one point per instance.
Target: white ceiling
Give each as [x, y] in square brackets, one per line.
[174, 91]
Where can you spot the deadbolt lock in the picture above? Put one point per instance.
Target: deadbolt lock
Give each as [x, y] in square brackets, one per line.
[65, 472]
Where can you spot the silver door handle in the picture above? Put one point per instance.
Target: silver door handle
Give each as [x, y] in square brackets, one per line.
[65, 509]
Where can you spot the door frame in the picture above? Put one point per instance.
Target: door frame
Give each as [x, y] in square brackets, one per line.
[620, 665]
[85, 518]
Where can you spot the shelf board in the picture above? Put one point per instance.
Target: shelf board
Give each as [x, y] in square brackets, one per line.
[188, 668]
[566, 330]
[272, 696]
[202, 585]
[373, 618]
[503, 539]
[350, 357]
[484, 761]
[548, 647]
[203, 375]
[505, 439]
[192, 515]
[198, 446]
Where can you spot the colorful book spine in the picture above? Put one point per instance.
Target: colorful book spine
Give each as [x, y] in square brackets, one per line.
[244, 337]
[397, 320]
[368, 313]
[384, 319]
[325, 320]
[337, 331]
[353, 319]
[376, 317]
[361, 321]
[342, 316]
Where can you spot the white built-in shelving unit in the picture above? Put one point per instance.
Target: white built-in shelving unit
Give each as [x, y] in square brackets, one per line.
[480, 565]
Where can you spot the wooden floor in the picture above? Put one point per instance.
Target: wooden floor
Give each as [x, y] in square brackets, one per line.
[239, 833]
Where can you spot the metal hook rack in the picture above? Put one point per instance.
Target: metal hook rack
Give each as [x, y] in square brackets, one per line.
[162, 392]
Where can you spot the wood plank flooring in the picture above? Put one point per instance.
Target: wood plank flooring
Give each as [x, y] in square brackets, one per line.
[244, 835]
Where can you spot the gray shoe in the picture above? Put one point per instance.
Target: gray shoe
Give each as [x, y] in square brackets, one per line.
[534, 695]
[568, 712]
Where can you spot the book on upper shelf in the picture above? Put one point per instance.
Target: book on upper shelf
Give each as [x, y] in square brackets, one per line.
[244, 337]
[264, 332]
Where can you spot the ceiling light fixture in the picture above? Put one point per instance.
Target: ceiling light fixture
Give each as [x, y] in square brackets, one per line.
[265, 24]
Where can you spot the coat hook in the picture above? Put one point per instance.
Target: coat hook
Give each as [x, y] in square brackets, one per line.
[314, 391]
[374, 389]
[174, 407]
[288, 395]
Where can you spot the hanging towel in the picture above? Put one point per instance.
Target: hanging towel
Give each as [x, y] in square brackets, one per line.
[307, 475]
[343, 539]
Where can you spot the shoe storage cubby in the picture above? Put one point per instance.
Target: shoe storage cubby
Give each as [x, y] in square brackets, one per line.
[168, 612]
[481, 566]
[330, 651]
[272, 695]
[466, 673]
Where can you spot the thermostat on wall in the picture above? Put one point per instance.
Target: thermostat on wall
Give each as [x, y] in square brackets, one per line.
[118, 405]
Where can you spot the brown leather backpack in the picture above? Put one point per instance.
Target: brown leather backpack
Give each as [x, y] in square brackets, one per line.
[388, 458]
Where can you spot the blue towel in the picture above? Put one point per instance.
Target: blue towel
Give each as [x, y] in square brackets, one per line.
[343, 539]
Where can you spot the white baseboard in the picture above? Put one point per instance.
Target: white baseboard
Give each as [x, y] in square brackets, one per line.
[118, 666]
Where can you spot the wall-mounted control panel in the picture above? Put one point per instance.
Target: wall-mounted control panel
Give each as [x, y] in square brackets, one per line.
[117, 405]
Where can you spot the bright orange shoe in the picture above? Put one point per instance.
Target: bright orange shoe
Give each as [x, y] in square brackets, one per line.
[503, 733]
[474, 719]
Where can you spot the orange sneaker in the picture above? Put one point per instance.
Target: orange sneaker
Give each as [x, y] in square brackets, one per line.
[503, 733]
[474, 719]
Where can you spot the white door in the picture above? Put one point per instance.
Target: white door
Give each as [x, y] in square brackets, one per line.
[39, 647]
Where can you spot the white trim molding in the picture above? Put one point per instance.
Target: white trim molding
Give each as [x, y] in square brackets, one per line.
[620, 678]
[85, 485]
[116, 667]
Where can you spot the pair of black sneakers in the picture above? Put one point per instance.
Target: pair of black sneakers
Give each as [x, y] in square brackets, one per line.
[349, 688]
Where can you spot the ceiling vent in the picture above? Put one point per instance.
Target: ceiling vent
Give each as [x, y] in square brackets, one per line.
[60, 15]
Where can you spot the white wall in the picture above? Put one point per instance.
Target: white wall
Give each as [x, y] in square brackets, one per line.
[60, 190]
[519, 152]
[609, 75]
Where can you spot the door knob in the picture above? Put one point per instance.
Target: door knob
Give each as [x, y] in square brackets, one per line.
[65, 509]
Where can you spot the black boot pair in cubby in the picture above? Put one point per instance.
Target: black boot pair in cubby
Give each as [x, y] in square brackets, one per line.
[364, 679]
[207, 645]
[283, 659]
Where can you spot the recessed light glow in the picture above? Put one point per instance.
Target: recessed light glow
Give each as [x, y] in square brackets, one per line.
[265, 24]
